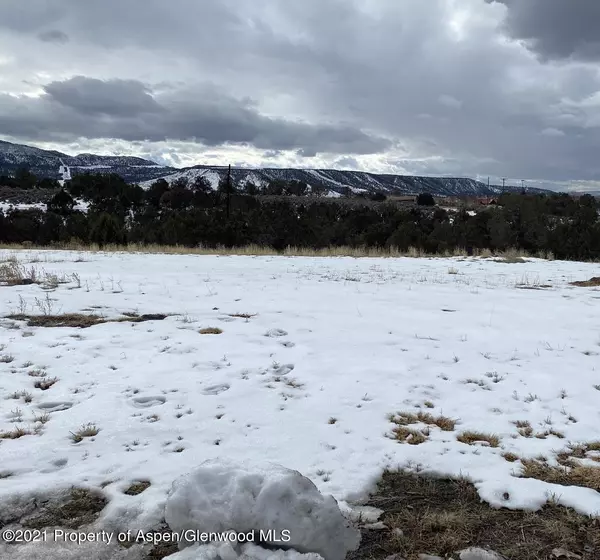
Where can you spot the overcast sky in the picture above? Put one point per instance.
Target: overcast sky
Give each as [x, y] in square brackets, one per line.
[472, 88]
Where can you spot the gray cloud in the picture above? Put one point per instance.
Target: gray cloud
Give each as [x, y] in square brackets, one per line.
[53, 36]
[127, 109]
[118, 98]
[556, 28]
[436, 87]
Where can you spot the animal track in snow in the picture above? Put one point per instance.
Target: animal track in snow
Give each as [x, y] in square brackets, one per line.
[216, 389]
[55, 406]
[284, 369]
[274, 333]
[147, 402]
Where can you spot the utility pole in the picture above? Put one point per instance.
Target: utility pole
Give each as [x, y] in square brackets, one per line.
[522, 183]
[503, 182]
[228, 191]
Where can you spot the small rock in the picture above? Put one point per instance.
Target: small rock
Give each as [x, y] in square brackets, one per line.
[394, 557]
[479, 554]
[429, 557]
[398, 532]
[379, 526]
[563, 553]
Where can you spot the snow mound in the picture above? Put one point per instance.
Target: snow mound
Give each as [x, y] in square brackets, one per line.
[247, 552]
[222, 496]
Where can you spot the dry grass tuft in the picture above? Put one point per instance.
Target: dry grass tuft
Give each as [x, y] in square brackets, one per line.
[551, 432]
[407, 418]
[433, 516]
[591, 283]
[12, 273]
[242, 315]
[137, 487]
[211, 330]
[42, 418]
[512, 256]
[471, 438]
[16, 433]
[410, 435]
[524, 428]
[45, 383]
[25, 395]
[510, 457]
[86, 431]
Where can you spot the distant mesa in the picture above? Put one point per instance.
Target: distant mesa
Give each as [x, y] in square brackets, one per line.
[331, 182]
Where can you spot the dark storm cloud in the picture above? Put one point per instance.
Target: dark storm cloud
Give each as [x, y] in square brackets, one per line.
[53, 36]
[557, 28]
[127, 109]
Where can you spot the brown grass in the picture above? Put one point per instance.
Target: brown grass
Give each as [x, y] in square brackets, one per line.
[16, 433]
[137, 487]
[470, 438]
[574, 475]
[443, 516]
[81, 320]
[81, 508]
[569, 471]
[552, 432]
[259, 250]
[410, 435]
[242, 315]
[407, 418]
[591, 283]
[510, 457]
[45, 383]
[86, 431]
[211, 330]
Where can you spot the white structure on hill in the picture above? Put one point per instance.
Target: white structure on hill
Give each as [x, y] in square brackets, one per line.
[65, 173]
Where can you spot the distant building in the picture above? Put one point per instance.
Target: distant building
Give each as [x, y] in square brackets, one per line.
[64, 173]
[486, 201]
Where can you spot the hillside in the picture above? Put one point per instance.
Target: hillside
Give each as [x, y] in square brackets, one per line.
[45, 163]
[337, 181]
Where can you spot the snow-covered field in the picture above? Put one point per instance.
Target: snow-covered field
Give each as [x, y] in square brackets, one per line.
[331, 348]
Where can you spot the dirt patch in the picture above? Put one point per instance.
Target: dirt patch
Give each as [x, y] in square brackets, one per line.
[442, 516]
[81, 507]
[80, 320]
[591, 283]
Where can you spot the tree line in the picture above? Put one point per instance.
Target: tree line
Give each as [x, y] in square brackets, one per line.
[193, 213]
